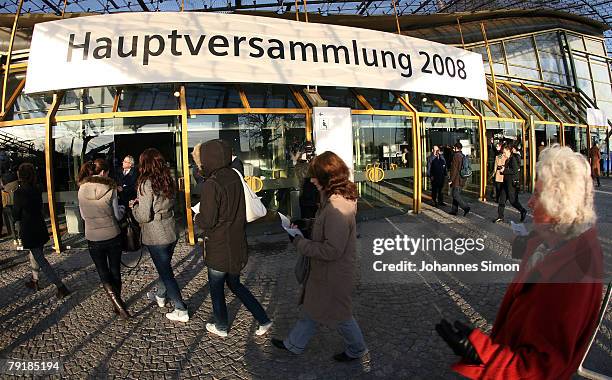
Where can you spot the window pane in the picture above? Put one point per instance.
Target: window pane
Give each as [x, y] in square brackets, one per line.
[548, 42]
[575, 42]
[582, 68]
[201, 96]
[148, 97]
[340, 97]
[594, 46]
[603, 91]
[269, 96]
[521, 52]
[381, 99]
[600, 72]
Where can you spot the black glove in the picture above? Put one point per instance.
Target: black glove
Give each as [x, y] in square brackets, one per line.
[458, 340]
[291, 237]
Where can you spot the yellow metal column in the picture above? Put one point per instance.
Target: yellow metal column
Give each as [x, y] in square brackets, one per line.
[186, 172]
[7, 64]
[532, 153]
[49, 149]
[416, 153]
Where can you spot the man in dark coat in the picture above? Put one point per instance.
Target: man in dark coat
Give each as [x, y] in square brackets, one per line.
[509, 188]
[436, 171]
[222, 217]
[126, 181]
[457, 182]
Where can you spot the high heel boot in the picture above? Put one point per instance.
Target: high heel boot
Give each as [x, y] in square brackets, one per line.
[116, 301]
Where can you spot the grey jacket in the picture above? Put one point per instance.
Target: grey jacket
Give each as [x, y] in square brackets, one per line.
[155, 213]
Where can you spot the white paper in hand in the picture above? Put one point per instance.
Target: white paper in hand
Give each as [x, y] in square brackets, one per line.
[286, 223]
[196, 208]
[519, 229]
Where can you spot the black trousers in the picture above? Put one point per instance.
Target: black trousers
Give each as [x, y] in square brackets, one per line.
[106, 255]
[508, 193]
[436, 190]
[458, 200]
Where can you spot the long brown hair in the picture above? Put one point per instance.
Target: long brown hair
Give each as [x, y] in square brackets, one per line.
[152, 167]
[26, 174]
[91, 168]
[333, 175]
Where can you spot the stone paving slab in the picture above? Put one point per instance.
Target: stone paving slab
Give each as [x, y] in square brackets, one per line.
[397, 318]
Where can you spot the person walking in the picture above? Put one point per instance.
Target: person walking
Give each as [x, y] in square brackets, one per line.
[222, 217]
[154, 210]
[127, 181]
[595, 159]
[457, 182]
[309, 196]
[27, 211]
[326, 295]
[498, 180]
[436, 172]
[100, 209]
[509, 191]
[550, 310]
[237, 163]
[10, 184]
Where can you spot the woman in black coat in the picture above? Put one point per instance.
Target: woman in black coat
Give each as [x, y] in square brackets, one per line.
[27, 210]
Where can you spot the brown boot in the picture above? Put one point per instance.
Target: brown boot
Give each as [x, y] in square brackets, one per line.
[116, 301]
[32, 284]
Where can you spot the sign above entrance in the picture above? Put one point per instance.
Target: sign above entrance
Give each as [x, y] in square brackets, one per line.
[136, 48]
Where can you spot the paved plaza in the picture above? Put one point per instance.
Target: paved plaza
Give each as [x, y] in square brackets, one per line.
[397, 317]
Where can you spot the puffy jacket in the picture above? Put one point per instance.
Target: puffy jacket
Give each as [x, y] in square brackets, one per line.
[96, 204]
[222, 214]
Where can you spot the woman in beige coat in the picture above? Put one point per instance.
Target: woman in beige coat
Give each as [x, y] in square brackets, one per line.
[328, 288]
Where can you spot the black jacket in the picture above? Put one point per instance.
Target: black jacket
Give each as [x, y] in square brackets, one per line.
[222, 214]
[128, 183]
[27, 210]
[512, 169]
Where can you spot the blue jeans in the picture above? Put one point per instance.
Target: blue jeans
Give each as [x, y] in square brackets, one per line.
[216, 284]
[167, 285]
[305, 328]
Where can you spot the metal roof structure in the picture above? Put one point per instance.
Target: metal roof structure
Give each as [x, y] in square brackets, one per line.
[598, 10]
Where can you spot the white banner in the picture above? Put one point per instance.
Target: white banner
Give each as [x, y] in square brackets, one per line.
[132, 48]
[333, 131]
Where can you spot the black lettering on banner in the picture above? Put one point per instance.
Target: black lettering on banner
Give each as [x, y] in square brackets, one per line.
[355, 52]
[279, 48]
[365, 57]
[451, 70]
[336, 50]
[237, 41]
[260, 51]
[147, 49]
[194, 50]
[173, 37]
[438, 64]
[120, 51]
[405, 62]
[213, 45]
[385, 53]
[105, 45]
[84, 46]
[425, 67]
[461, 69]
[293, 45]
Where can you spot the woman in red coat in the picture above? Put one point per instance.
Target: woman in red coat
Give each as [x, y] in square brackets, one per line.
[550, 310]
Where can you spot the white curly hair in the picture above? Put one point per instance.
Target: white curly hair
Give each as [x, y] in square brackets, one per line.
[566, 190]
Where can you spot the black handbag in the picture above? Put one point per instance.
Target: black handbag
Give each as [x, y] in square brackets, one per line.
[131, 234]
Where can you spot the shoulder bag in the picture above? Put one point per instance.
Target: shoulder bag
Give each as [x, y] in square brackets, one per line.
[254, 208]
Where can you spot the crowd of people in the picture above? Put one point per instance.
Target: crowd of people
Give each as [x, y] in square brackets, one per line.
[505, 178]
[561, 269]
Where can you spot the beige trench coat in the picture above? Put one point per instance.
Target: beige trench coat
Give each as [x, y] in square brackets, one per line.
[327, 294]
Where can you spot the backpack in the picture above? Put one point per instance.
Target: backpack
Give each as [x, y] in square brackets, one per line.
[466, 168]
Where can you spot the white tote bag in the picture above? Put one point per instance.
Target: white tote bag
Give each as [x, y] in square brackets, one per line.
[254, 208]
